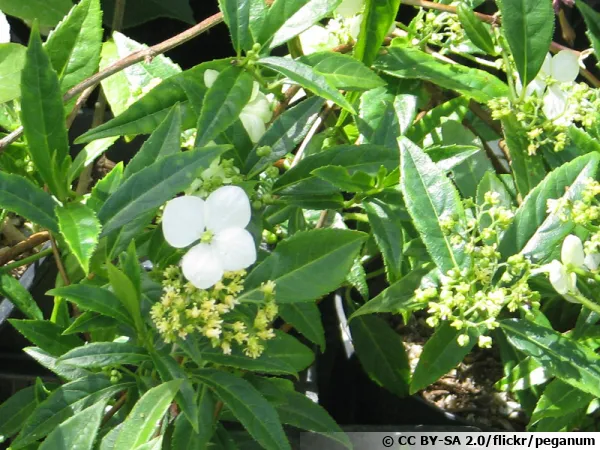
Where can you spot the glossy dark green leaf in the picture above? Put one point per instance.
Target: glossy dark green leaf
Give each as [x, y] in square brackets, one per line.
[441, 354]
[223, 103]
[94, 298]
[286, 132]
[378, 16]
[343, 71]
[237, 17]
[568, 360]
[297, 265]
[184, 436]
[105, 187]
[15, 410]
[89, 321]
[51, 363]
[153, 186]
[163, 142]
[455, 109]
[534, 231]
[141, 11]
[470, 171]
[65, 402]
[430, 197]
[254, 412]
[475, 29]
[127, 293]
[101, 354]
[47, 12]
[74, 46]
[140, 425]
[80, 228]
[77, 432]
[43, 117]
[592, 20]
[560, 398]
[528, 27]
[304, 75]
[341, 178]
[305, 318]
[46, 335]
[413, 63]
[19, 296]
[381, 353]
[12, 60]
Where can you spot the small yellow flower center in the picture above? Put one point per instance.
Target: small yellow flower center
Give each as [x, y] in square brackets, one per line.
[207, 237]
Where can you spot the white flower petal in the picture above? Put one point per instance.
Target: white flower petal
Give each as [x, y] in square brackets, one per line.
[555, 102]
[183, 221]
[537, 86]
[592, 261]
[260, 107]
[546, 69]
[254, 126]
[558, 277]
[349, 8]
[4, 29]
[210, 77]
[236, 248]
[314, 39]
[201, 266]
[227, 207]
[572, 251]
[565, 66]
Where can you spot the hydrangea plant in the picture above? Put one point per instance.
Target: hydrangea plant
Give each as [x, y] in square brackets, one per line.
[447, 164]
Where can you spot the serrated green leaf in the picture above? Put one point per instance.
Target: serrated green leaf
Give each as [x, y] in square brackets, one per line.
[153, 186]
[184, 436]
[80, 228]
[15, 410]
[455, 109]
[297, 265]
[413, 63]
[51, 363]
[46, 335]
[20, 297]
[522, 20]
[47, 12]
[254, 412]
[141, 423]
[343, 71]
[100, 354]
[305, 318]
[304, 76]
[43, 117]
[378, 16]
[77, 432]
[237, 17]
[12, 60]
[475, 29]
[126, 292]
[559, 399]
[89, 321]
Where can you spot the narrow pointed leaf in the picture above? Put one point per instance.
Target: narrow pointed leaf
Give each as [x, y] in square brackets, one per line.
[100, 354]
[77, 432]
[237, 17]
[46, 335]
[343, 71]
[305, 318]
[12, 60]
[80, 228]
[378, 16]
[20, 297]
[51, 363]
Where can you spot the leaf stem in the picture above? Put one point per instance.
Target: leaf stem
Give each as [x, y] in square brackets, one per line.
[25, 261]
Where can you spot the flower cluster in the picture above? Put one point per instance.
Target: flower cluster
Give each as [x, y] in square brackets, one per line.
[184, 309]
[220, 173]
[472, 297]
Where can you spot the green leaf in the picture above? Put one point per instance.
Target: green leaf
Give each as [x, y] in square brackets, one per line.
[386, 212]
[536, 233]
[88, 155]
[305, 318]
[47, 12]
[288, 18]
[284, 134]
[469, 172]
[169, 370]
[440, 355]
[89, 321]
[455, 109]
[141, 11]
[343, 71]
[378, 15]
[528, 27]
[127, 293]
[430, 197]
[568, 360]
[304, 76]
[74, 46]
[153, 186]
[51, 363]
[282, 355]
[46, 335]
[340, 178]
[43, 117]
[100, 354]
[65, 402]
[592, 20]
[413, 63]
[301, 180]
[237, 17]
[94, 298]
[165, 141]
[397, 298]
[80, 227]
[20, 297]
[297, 265]
[77, 432]
[254, 412]
[381, 353]
[223, 103]
[15, 410]
[475, 29]
[12, 60]
[141, 423]
[559, 398]
[21, 196]
[184, 436]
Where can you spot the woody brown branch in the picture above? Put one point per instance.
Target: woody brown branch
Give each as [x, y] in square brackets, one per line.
[24, 246]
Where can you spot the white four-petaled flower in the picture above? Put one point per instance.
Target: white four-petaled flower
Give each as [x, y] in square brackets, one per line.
[219, 224]
[4, 29]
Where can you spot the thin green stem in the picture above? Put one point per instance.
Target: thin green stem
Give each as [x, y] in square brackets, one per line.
[25, 261]
[592, 306]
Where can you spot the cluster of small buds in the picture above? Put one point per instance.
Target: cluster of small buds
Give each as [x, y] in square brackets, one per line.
[473, 297]
[113, 373]
[185, 309]
[219, 173]
[584, 212]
